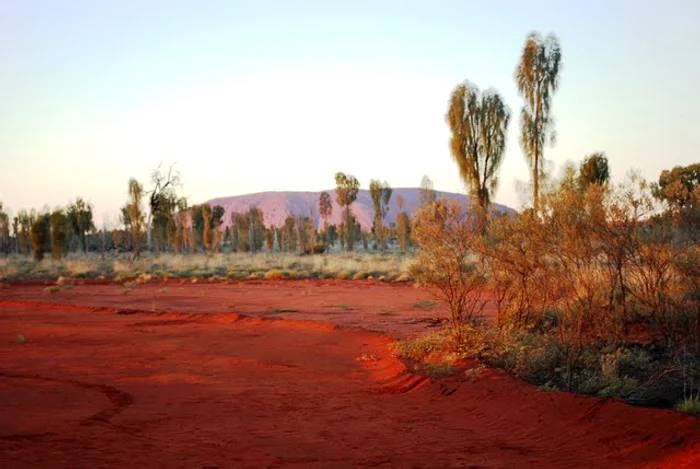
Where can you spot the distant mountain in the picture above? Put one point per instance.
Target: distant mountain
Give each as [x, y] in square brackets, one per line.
[277, 206]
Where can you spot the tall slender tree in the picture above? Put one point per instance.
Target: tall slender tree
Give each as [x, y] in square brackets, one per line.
[381, 195]
[479, 124]
[39, 234]
[325, 210]
[136, 216]
[537, 78]
[163, 190]
[347, 187]
[4, 231]
[59, 231]
[80, 216]
[427, 191]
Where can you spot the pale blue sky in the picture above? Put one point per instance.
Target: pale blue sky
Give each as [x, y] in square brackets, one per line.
[252, 96]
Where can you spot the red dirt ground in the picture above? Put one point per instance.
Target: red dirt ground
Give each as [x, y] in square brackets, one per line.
[199, 376]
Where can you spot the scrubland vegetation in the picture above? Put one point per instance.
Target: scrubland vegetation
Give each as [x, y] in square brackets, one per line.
[598, 293]
[358, 265]
[596, 286]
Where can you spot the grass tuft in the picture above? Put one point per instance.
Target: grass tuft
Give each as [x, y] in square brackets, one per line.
[690, 405]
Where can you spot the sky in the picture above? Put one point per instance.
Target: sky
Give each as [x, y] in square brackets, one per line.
[260, 95]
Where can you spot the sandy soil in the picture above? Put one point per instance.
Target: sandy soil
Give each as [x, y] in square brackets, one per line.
[207, 375]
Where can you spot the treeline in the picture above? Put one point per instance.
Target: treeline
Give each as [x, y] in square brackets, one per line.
[169, 224]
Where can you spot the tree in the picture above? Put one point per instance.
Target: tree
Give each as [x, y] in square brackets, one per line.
[304, 225]
[163, 226]
[332, 235]
[381, 195]
[325, 209]
[289, 234]
[16, 233]
[403, 225]
[256, 228]
[60, 231]
[478, 123]
[160, 196]
[80, 216]
[217, 219]
[594, 170]
[427, 192]
[235, 238]
[39, 234]
[136, 216]
[206, 227]
[269, 239]
[347, 187]
[537, 78]
[4, 231]
[676, 186]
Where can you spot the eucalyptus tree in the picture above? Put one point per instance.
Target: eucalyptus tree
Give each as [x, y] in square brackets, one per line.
[39, 235]
[347, 187]
[478, 123]
[537, 78]
[381, 195]
[594, 169]
[325, 210]
[4, 231]
[162, 198]
[59, 230]
[135, 214]
[427, 191]
[81, 219]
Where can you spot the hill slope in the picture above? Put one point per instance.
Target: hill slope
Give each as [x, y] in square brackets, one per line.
[277, 206]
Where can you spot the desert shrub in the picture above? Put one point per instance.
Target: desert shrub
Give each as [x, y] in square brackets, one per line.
[439, 370]
[419, 347]
[445, 264]
[403, 278]
[361, 275]
[344, 275]
[275, 274]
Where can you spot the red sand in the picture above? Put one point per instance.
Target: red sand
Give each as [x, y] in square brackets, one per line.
[181, 379]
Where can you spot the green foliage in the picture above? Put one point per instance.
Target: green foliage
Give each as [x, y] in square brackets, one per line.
[81, 219]
[403, 230]
[478, 125]
[418, 348]
[676, 186]
[4, 231]
[60, 234]
[40, 236]
[347, 187]
[439, 370]
[135, 215]
[594, 170]
[381, 195]
[325, 210]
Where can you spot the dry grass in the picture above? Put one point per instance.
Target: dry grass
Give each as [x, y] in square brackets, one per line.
[390, 266]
